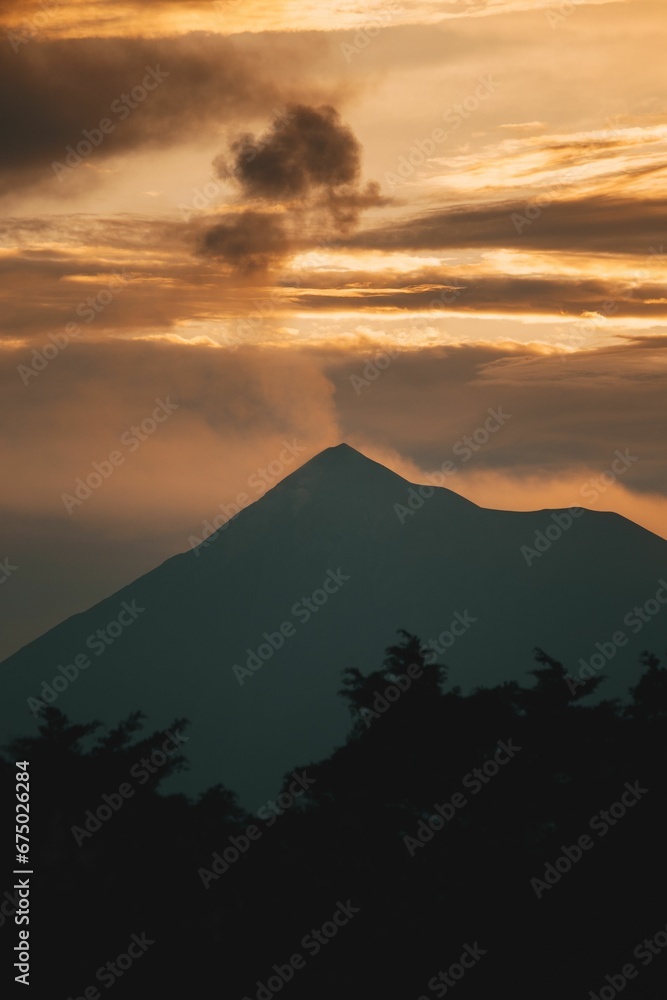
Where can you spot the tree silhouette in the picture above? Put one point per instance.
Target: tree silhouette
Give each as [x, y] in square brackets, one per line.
[363, 832]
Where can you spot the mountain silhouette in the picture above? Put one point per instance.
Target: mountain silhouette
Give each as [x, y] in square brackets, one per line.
[246, 636]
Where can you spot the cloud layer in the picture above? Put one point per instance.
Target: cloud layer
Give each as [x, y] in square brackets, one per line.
[154, 93]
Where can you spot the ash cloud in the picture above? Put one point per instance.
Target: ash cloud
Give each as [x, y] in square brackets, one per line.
[251, 241]
[304, 150]
[308, 162]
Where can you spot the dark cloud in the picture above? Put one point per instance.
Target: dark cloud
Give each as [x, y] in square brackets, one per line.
[308, 162]
[250, 240]
[346, 207]
[601, 224]
[50, 92]
[470, 291]
[570, 412]
[305, 149]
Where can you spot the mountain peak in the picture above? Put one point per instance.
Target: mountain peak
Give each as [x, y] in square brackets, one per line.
[343, 447]
[341, 452]
[340, 461]
[344, 473]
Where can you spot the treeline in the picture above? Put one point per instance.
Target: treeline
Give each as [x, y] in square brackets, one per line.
[508, 842]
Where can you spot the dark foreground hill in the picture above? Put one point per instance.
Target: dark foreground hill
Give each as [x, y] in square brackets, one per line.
[507, 843]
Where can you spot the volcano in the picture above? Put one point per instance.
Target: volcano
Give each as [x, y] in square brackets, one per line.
[247, 635]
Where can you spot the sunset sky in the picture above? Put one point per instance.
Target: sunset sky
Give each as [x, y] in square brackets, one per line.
[488, 222]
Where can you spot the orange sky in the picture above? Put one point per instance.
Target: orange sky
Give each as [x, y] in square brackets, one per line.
[487, 215]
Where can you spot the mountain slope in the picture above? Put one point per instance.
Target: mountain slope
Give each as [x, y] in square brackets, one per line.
[337, 556]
